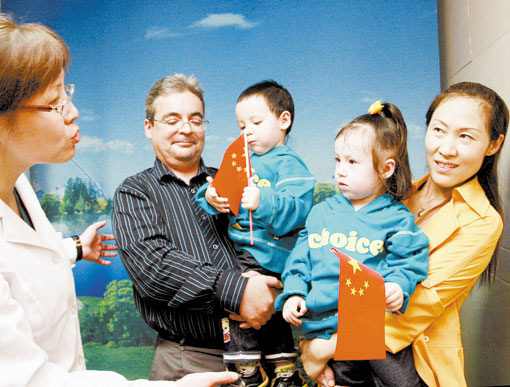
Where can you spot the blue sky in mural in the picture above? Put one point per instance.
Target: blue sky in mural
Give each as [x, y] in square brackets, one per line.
[335, 57]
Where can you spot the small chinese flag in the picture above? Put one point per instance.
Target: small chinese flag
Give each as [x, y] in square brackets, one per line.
[361, 309]
[232, 176]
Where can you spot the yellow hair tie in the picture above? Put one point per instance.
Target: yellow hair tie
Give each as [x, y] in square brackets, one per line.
[375, 108]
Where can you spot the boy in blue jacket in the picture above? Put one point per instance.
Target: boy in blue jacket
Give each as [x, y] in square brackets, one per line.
[280, 196]
[368, 222]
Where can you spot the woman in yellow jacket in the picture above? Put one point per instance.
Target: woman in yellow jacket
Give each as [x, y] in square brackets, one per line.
[458, 206]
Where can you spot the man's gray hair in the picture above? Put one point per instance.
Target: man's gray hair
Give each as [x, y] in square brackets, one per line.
[176, 83]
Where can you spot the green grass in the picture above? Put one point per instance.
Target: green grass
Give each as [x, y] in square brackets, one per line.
[132, 362]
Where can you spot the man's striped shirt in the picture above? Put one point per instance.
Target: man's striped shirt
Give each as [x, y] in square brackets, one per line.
[179, 257]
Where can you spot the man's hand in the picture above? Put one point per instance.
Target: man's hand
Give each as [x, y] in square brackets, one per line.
[293, 309]
[394, 296]
[207, 379]
[251, 196]
[257, 305]
[216, 201]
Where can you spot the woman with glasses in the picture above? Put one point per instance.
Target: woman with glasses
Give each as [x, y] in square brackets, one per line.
[40, 342]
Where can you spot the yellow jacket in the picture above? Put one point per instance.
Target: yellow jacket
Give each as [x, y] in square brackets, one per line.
[463, 235]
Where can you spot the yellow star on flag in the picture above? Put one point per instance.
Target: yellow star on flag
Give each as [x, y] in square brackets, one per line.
[234, 155]
[353, 291]
[239, 169]
[234, 163]
[355, 265]
[361, 291]
[348, 282]
[366, 285]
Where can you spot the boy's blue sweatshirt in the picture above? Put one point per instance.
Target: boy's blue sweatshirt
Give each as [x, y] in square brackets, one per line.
[312, 271]
[286, 197]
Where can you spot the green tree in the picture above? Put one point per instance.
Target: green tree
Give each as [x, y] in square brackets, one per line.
[50, 203]
[117, 312]
[79, 198]
[323, 191]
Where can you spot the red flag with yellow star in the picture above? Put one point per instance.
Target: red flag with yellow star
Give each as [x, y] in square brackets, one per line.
[361, 309]
[232, 176]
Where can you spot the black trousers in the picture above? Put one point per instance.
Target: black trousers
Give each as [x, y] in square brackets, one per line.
[397, 370]
[274, 340]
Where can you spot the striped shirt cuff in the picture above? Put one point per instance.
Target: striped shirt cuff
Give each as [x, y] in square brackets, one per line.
[230, 290]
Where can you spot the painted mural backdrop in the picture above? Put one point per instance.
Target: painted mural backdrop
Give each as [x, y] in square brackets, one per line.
[335, 56]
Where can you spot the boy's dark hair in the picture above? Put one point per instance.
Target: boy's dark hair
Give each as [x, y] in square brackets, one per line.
[390, 141]
[277, 97]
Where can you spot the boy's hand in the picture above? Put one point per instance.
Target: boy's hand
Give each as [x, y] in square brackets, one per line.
[293, 309]
[394, 296]
[219, 203]
[251, 196]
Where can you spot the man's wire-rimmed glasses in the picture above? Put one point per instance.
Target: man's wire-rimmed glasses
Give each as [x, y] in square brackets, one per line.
[60, 108]
[176, 124]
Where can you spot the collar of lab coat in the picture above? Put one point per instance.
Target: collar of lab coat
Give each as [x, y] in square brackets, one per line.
[16, 230]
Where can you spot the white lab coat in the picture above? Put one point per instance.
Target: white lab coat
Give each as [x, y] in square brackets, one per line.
[40, 343]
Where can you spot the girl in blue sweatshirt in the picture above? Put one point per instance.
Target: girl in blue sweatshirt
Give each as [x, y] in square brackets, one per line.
[366, 220]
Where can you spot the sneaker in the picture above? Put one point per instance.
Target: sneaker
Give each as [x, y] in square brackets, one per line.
[288, 376]
[251, 375]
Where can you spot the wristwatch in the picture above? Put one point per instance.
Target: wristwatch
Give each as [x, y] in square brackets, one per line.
[79, 250]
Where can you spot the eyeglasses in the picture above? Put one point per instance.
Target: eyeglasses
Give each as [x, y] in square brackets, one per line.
[60, 108]
[194, 123]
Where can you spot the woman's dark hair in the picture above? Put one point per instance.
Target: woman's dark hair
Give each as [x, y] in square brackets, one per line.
[496, 121]
[390, 142]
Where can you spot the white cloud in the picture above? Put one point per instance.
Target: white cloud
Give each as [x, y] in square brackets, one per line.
[160, 33]
[415, 131]
[218, 20]
[98, 145]
[213, 20]
[368, 96]
[87, 115]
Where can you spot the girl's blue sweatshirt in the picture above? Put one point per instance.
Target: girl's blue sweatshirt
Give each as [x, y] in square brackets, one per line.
[382, 235]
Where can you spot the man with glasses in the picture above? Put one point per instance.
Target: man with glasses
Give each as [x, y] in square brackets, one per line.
[179, 257]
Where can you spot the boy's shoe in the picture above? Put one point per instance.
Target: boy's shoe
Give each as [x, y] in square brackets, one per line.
[251, 375]
[288, 376]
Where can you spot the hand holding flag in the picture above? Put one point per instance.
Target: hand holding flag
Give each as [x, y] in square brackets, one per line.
[232, 177]
[361, 309]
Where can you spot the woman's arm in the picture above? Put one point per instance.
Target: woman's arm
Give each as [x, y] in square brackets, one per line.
[454, 268]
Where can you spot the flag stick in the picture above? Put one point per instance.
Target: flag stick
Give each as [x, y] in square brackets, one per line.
[248, 175]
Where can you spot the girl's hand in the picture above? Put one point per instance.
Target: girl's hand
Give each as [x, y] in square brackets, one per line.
[293, 309]
[251, 196]
[212, 197]
[93, 247]
[394, 296]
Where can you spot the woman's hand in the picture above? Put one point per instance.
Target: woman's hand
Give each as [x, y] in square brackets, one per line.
[326, 378]
[207, 379]
[220, 204]
[93, 246]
